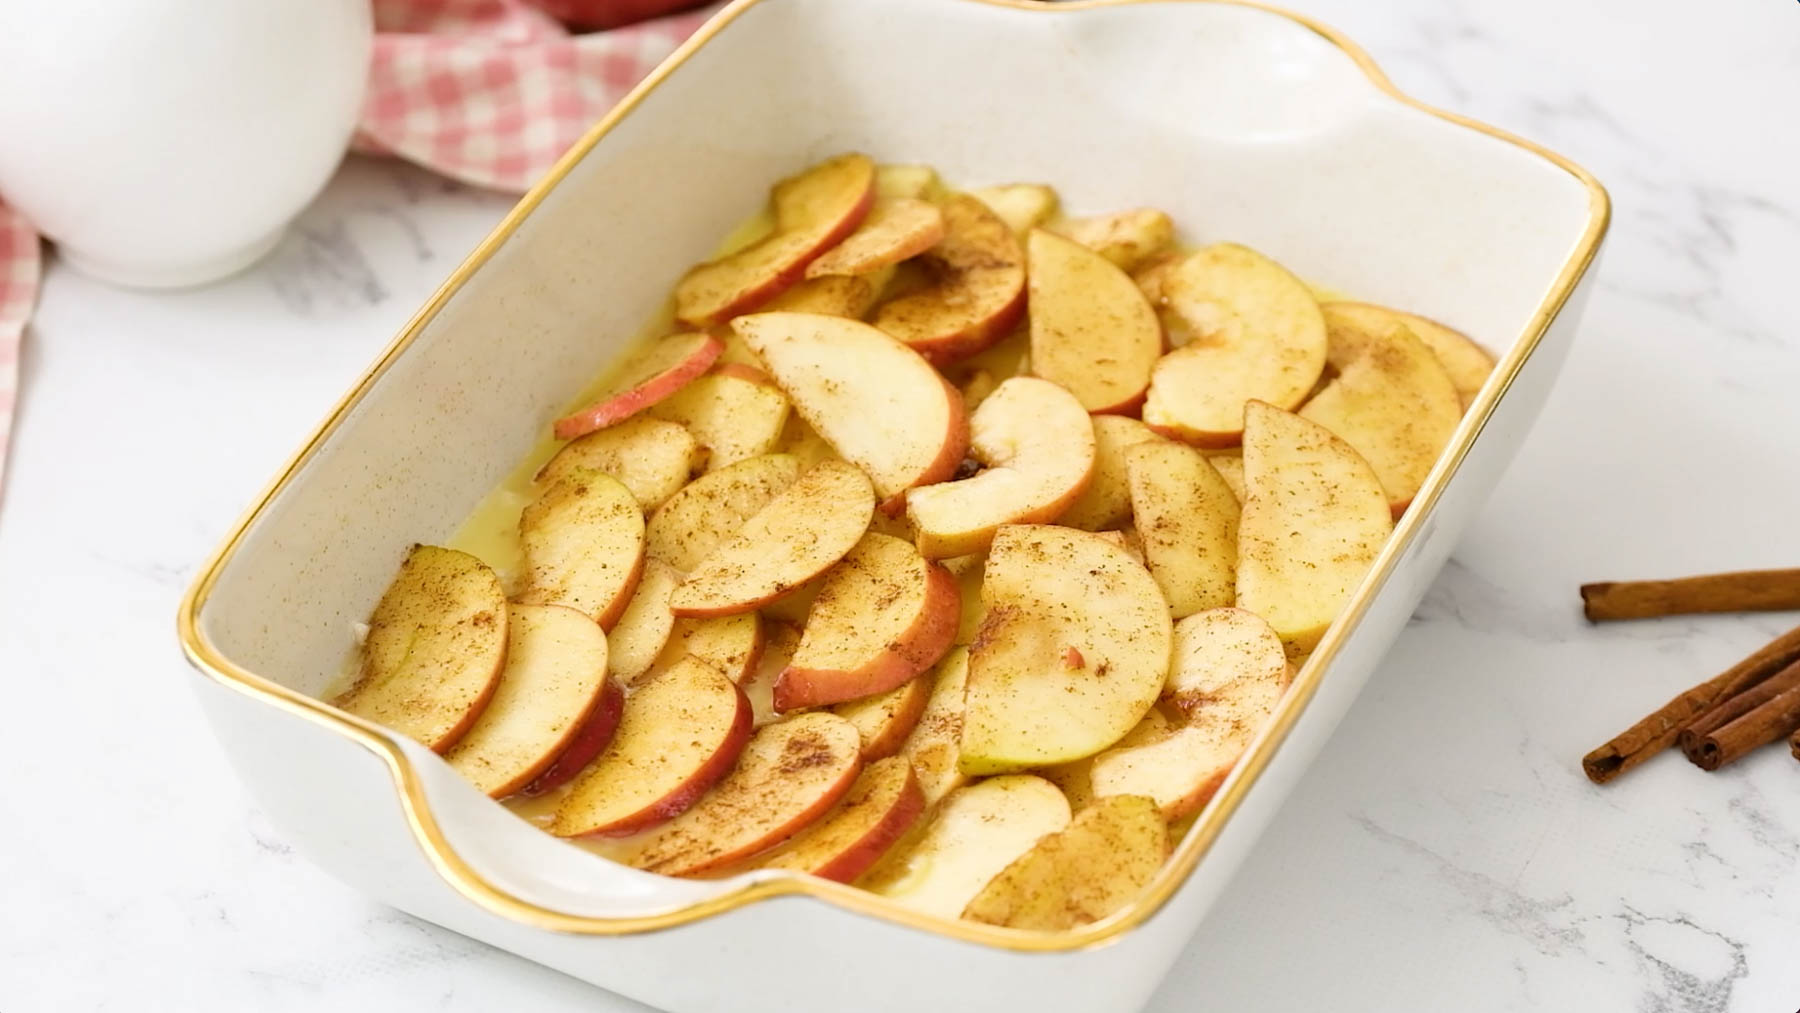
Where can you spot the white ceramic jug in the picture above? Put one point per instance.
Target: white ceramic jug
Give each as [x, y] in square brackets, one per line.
[169, 142]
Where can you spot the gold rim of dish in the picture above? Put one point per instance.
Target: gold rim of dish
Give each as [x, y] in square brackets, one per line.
[1199, 840]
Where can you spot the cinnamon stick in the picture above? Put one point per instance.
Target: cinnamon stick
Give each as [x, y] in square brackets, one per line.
[1659, 730]
[1777, 717]
[1743, 591]
[1734, 707]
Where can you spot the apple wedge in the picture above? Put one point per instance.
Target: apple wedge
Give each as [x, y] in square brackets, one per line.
[978, 831]
[652, 374]
[802, 532]
[1187, 519]
[1230, 468]
[1031, 699]
[879, 405]
[976, 292]
[1467, 362]
[882, 616]
[1314, 519]
[583, 546]
[838, 295]
[1037, 444]
[681, 732]
[1106, 502]
[896, 229]
[790, 774]
[919, 182]
[1076, 876]
[554, 681]
[1022, 206]
[1258, 335]
[1092, 330]
[736, 412]
[878, 810]
[814, 211]
[935, 742]
[732, 645]
[643, 629]
[1130, 239]
[779, 642]
[1392, 401]
[1076, 779]
[885, 720]
[1225, 653]
[700, 517]
[652, 457]
[592, 737]
[435, 648]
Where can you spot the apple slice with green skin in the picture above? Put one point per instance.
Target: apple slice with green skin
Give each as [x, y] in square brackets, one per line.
[878, 810]
[977, 288]
[435, 648]
[1022, 206]
[637, 639]
[878, 403]
[1076, 876]
[1392, 401]
[1187, 519]
[706, 512]
[1229, 674]
[652, 457]
[1072, 651]
[790, 774]
[1076, 779]
[885, 720]
[654, 373]
[680, 734]
[1467, 363]
[978, 831]
[780, 640]
[1106, 502]
[895, 230]
[1037, 444]
[1092, 330]
[554, 681]
[732, 645]
[1314, 519]
[803, 532]
[1258, 335]
[919, 182]
[583, 546]
[935, 742]
[736, 412]
[1130, 239]
[814, 211]
[882, 616]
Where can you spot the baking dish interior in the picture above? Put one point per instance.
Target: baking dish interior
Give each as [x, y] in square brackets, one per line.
[1242, 123]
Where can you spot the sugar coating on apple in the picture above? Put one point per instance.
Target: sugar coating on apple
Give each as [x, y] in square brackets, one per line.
[1092, 330]
[934, 744]
[883, 615]
[977, 288]
[1037, 445]
[736, 412]
[732, 645]
[1130, 239]
[885, 720]
[1094, 867]
[1259, 335]
[790, 775]
[896, 229]
[877, 403]
[1314, 519]
[1467, 362]
[1048, 589]
[583, 546]
[554, 678]
[1021, 206]
[655, 372]
[681, 732]
[813, 212]
[636, 640]
[652, 457]
[800, 534]
[877, 811]
[1187, 520]
[1106, 502]
[707, 511]
[435, 648]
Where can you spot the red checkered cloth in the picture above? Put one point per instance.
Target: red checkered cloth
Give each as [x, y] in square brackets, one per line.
[487, 92]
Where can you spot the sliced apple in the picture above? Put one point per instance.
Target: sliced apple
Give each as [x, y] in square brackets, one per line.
[1130, 239]
[705, 513]
[681, 732]
[436, 644]
[1467, 362]
[976, 292]
[976, 387]
[1223, 653]
[935, 742]
[1258, 335]
[654, 458]
[1037, 444]
[1076, 876]
[805, 444]
[1230, 468]
[837, 295]
[978, 831]
[896, 229]
[736, 412]
[779, 642]
[1031, 701]
[882, 616]
[1314, 519]
[885, 720]
[656, 372]
[593, 735]
[878, 810]
[879, 405]
[813, 212]
[1152, 279]
[583, 546]
[554, 680]
[800, 534]
[1187, 519]
[1022, 206]
[916, 181]
[1092, 330]
[1076, 778]
[643, 628]
[1106, 502]
[732, 645]
[790, 774]
[1392, 401]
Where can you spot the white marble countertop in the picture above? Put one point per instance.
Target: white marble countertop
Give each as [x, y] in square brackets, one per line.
[1444, 852]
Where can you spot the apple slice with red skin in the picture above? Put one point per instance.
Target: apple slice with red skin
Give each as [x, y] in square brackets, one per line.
[583, 545]
[654, 373]
[883, 804]
[977, 289]
[885, 720]
[894, 231]
[732, 645]
[708, 510]
[594, 735]
[1092, 330]
[654, 458]
[735, 411]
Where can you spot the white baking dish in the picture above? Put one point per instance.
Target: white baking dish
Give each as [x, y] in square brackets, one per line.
[1244, 123]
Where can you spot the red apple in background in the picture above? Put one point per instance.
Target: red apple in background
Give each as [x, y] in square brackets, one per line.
[594, 15]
